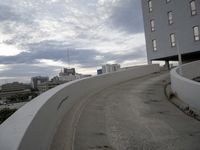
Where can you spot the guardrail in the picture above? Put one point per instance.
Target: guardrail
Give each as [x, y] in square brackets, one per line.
[33, 126]
[184, 87]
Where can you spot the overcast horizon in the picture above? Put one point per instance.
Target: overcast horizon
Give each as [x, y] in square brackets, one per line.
[36, 35]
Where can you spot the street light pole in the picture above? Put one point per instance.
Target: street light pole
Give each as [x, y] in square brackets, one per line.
[68, 58]
[179, 58]
[178, 44]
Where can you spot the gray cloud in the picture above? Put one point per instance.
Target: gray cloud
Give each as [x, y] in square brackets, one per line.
[93, 33]
[59, 51]
[10, 14]
[127, 16]
[28, 71]
[6, 13]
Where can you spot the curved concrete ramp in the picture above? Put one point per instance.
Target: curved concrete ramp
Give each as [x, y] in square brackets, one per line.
[127, 116]
[34, 125]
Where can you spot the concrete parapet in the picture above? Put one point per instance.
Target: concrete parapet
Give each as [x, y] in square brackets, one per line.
[33, 126]
[184, 87]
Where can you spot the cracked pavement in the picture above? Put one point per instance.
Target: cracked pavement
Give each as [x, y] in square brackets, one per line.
[134, 115]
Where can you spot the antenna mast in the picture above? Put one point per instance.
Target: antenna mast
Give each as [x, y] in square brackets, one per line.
[68, 58]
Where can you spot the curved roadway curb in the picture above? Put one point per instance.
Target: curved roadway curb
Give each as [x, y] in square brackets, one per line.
[192, 112]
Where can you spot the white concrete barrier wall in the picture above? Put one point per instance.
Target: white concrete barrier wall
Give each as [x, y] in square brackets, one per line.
[33, 126]
[191, 70]
[185, 88]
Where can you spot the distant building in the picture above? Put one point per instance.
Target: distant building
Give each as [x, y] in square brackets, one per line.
[55, 81]
[35, 81]
[15, 86]
[14, 89]
[5, 95]
[67, 75]
[67, 72]
[45, 86]
[108, 68]
[67, 78]
[56, 78]
[99, 71]
[80, 76]
[171, 25]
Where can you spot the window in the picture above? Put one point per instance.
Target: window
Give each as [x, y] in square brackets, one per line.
[172, 40]
[170, 17]
[196, 33]
[167, 1]
[152, 23]
[150, 5]
[193, 7]
[154, 45]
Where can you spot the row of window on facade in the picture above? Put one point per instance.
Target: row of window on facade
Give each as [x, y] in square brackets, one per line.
[173, 38]
[193, 7]
[150, 4]
[170, 14]
[170, 21]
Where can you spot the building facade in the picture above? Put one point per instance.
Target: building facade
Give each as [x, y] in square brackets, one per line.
[99, 71]
[108, 68]
[172, 25]
[15, 86]
[43, 87]
[67, 72]
[35, 81]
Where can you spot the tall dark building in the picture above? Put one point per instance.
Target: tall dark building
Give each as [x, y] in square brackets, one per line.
[171, 25]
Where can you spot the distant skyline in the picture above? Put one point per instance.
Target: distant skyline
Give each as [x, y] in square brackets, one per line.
[36, 34]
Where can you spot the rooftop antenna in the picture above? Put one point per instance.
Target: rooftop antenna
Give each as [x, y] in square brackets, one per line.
[68, 58]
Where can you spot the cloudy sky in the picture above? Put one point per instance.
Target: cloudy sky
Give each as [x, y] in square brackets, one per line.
[36, 36]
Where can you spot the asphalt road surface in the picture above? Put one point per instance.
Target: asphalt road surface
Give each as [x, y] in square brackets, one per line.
[134, 115]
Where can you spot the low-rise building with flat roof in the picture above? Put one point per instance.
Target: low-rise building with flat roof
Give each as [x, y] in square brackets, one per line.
[35, 81]
[108, 68]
